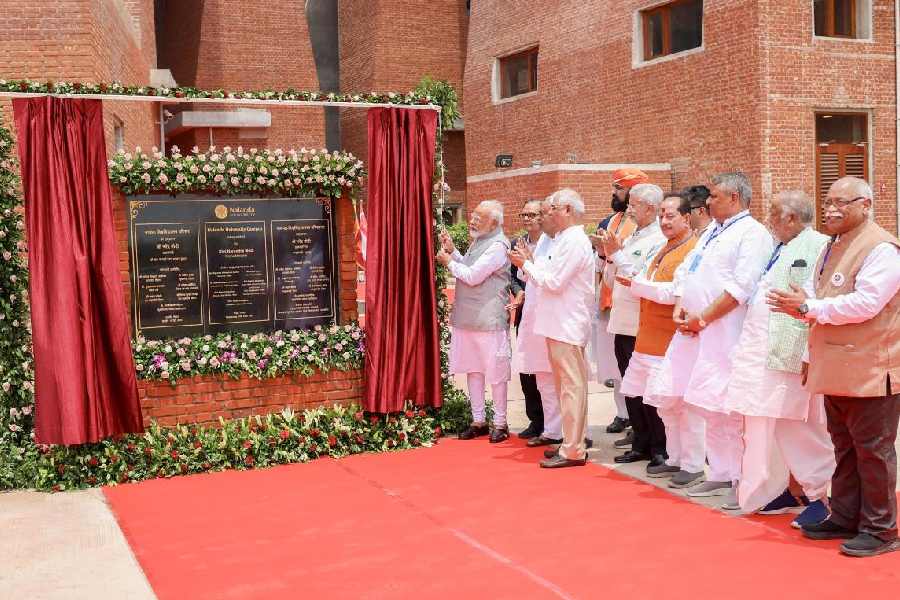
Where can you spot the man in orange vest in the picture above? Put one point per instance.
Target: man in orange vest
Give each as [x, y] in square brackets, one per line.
[622, 226]
[853, 305]
[654, 286]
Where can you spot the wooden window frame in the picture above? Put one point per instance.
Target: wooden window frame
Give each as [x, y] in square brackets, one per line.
[829, 21]
[842, 150]
[532, 55]
[666, 11]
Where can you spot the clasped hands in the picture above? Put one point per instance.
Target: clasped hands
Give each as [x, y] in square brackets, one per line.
[520, 254]
[447, 248]
[608, 242]
[687, 323]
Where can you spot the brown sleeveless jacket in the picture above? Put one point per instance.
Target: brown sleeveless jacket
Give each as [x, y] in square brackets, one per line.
[856, 359]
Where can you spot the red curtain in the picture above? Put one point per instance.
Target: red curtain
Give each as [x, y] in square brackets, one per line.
[85, 383]
[402, 335]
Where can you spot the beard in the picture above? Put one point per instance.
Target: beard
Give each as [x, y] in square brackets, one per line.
[619, 205]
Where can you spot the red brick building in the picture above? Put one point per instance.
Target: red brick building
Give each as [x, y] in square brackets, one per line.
[793, 92]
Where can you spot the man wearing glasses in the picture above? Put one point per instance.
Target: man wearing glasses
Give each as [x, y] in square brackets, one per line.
[854, 359]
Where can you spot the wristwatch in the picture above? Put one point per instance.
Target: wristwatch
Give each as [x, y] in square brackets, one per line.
[701, 323]
[803, 309]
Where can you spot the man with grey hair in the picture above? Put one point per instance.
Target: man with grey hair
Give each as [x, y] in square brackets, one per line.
[625, 260]
[479, 343]
[723, 270]
[853, 307]
[784, 429]
[566, 283]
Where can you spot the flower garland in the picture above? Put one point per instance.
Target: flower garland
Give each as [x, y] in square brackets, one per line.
[116, 88]
[259, 355]
[236, 171]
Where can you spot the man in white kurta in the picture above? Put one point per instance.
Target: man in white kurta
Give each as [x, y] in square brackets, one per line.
[785, 432]
[563, 317]
[723, 271]
[531, 348]
[479, 342]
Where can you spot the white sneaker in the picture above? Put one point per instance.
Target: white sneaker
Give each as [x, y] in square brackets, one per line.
[731, 502]
[709, 489]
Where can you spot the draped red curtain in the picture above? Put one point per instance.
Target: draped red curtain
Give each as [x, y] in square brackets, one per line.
[402, 335]
[85, 383]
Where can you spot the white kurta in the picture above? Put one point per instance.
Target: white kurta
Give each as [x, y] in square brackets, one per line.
[626, 308]
[531, 348]
[730, 258]
[473, 351]
[754, 389]
[641, 368]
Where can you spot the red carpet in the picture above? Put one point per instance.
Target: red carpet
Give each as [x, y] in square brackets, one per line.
[467, 520]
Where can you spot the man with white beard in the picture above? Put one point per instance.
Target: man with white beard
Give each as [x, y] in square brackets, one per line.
[479, 342]
[723, 271]
[784, 425]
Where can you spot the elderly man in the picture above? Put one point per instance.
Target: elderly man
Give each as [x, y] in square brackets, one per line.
[566, 283]
[854, 359]
[531, 355]
[625, 260]
[600, 349]
[723, 271]
[479, 342]
[531, 219]
[784, 425]
[654, 285]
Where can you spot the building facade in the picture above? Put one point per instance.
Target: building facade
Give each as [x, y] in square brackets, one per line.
[793, 92]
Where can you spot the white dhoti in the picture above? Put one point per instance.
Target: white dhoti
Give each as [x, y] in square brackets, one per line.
[784, 425]
[531, 357]
[602, 359]
[685, 428]
[485, 358]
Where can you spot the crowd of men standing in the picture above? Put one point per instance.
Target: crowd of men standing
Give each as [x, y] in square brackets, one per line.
[769, 353]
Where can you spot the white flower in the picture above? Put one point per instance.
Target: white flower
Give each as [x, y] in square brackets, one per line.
[26, 410]
[252, 355]
[5, 386]
[186, 365]
[205, 348]
[139, 367]
[295, 337]
[7, 255]
[15, 428]
[214, 362]
[268, 351]
[194, 169]
[322, 337]
[279, 343]
[346, 355]
[305, 348]
[180, 352]
[167, 348]
[163, 178]
[164, 375]
[146, 177]
[338, 346]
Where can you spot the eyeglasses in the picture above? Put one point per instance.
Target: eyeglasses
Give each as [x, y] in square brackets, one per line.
[528, 215]
[618, 187]
[840, 202]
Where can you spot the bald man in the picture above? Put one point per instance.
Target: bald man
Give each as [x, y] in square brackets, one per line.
[853, 308]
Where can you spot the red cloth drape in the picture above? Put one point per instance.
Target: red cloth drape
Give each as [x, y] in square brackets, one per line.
[85, 382]
[402, 335]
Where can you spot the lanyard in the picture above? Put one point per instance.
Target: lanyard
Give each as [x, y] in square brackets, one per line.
[774, 258]
[657, 260]
[825, 258]
[699, 255]
[720, 230]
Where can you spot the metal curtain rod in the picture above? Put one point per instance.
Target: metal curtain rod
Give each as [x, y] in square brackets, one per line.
[247, 101]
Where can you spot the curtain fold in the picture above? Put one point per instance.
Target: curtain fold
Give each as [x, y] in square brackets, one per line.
[85, 381]
[402, 335]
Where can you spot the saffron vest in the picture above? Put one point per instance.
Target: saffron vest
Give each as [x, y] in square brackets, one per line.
[655, 325]
[622, 227]
[856, 359]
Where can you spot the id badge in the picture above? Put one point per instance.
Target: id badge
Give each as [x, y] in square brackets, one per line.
[695, 263]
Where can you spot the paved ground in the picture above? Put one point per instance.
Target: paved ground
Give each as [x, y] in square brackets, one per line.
[68, 546]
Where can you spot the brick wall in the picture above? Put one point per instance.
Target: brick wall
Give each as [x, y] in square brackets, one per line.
[86, 41]
[745, 101]
[204, 399]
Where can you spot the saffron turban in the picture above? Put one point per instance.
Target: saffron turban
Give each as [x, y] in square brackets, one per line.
[629, 177]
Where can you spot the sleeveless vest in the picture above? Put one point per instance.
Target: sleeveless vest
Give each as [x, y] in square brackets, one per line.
[656, 327]
[482, 307]
[622, 227]
[856, 359]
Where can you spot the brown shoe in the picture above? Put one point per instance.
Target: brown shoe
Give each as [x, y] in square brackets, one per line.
[551, 452]
[558, 462]
[541, 441]
[499, 434]
[474, 431]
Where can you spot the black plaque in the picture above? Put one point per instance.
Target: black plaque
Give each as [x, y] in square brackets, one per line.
[206, 265]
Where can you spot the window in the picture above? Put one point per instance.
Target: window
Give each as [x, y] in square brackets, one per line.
[841, 150]
[842, 18]
[672, 28]
[118, 134]
[518, 73]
